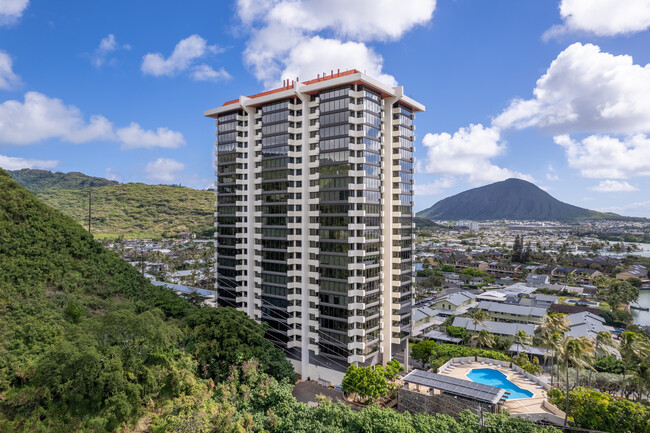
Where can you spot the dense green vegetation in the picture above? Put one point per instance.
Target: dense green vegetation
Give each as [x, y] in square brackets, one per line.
[85, 342]
[601, 411]
[511, 199]
[132, 210]
[41, 180]
[86, 345]
[428, 352]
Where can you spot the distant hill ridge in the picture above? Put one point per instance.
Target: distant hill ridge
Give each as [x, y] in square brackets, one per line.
[41, 180]
[130, 210]
[511, 199]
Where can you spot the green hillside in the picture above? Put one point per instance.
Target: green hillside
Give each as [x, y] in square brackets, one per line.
[41, 180]
[131, 210]
[137, 210]
[87, 345]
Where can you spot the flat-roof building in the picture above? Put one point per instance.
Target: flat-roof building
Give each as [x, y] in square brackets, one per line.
[314, 217]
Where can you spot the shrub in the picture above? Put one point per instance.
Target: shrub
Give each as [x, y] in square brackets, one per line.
[596, 410]
[609, 364]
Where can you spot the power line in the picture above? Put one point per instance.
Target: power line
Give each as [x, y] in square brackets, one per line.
[90, 199]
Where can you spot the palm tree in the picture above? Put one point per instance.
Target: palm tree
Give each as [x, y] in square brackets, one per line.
[570, 279]
[521, 339]
[477, 317]
[600, 281]
[578, 352]
[483, 339]
[620, 292]
[553, 326]
[603, 341]
[632, 346]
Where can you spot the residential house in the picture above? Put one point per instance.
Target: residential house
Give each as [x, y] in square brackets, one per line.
[502, 269]
[454, 301]
[501, 312]
[424, 318]
[543, 301]
[588, 324]
[497, 328]
[537, 280]
[634, 271]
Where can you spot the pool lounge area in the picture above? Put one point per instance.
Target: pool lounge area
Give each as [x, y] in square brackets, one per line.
[525, 394]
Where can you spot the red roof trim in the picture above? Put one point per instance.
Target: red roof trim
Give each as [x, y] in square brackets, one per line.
[292, 84]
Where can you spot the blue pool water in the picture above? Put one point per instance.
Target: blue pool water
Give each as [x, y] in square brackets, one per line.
[488, 376]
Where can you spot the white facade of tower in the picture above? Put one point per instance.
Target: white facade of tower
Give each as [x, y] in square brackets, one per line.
[314, 218]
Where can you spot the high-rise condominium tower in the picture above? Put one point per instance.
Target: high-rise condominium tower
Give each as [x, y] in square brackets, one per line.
[315, 217]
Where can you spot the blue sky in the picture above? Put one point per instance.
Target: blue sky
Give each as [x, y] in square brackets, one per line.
[555, 91]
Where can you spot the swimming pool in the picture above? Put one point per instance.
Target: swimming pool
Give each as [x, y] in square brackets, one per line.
[488, 376]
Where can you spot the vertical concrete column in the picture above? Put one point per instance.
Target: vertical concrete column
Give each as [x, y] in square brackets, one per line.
[304, 307]
[250, 214]
[387, 229]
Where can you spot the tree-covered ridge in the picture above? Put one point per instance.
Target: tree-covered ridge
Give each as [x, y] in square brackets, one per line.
[85, 342]
[41, 180]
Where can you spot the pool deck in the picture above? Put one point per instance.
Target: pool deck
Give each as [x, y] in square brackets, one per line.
[533, 407]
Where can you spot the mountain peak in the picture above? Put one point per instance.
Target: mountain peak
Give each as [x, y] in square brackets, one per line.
[510, 199]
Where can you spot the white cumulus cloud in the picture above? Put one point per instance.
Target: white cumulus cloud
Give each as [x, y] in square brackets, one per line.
[164, 170]
[16, 163]
[435, 187]
[552, 176]
[281, 29]
[206, 73]
[467, 153]
[614, 186]
[361, 20]
[586, 90]
[12, 10]
[8, 79]
[639, 208]
[603, 156]
[602, 17]
[317, 55]
[41, 118]
[133, 137]
[107, 46]
[186, 52]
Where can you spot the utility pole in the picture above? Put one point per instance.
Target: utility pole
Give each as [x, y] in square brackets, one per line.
[90, 200]
[142, 271]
